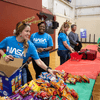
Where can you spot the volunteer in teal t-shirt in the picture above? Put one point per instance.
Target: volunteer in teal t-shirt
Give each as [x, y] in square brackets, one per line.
[19, 46]
[64, 48]
[43, 43]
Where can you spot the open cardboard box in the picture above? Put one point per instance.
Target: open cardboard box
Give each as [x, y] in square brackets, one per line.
[10, 76]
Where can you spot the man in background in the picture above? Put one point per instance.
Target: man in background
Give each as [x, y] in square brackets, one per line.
[74, 39]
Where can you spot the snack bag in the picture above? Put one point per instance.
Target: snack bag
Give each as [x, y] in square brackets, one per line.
[78, 78]
[16, 97]
[34, 86]
[85, 79]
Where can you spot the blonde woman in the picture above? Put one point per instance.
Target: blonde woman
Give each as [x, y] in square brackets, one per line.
[19, 46]
[64, 48]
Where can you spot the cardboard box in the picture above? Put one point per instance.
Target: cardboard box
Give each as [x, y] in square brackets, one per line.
[10, 76]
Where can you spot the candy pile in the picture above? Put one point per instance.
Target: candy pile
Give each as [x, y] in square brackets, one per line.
[72, 79]
[48, 87]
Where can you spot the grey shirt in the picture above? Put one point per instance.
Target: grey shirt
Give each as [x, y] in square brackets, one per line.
[73, 37]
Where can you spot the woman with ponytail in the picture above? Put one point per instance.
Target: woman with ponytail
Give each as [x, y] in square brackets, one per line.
[64, 48]
[19, 46]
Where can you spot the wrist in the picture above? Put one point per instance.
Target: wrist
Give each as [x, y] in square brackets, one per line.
[48, 68]
[4, 55]
[43, 49]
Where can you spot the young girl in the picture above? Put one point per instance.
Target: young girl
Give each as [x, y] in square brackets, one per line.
[19, 46]
[64, 48]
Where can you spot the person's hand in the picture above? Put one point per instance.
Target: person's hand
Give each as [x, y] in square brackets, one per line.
[77, 44]
[72, 51]
[40, 50]
[8, 57]
[53, 72]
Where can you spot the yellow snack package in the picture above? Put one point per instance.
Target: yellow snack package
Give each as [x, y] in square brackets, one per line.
[34, 86]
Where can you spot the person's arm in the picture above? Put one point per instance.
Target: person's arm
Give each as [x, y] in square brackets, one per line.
[67, 46]
[44, 49]
[35, 56]
[40, 63]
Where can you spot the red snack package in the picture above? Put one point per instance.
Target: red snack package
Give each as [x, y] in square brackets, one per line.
[65, 75]
[62, 86]
[54, 98]
[63, 98]
[74, 94]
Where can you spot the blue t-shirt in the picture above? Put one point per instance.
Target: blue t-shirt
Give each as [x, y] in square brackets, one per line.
[42, 41]
[15, 48]
[62, 37]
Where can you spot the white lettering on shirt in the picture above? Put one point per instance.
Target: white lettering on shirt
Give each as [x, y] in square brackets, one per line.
[16, 52]
[39, 40]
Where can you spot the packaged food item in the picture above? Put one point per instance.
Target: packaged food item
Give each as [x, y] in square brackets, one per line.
[5, 98]
[29, 97]
[34, 86]
[16, 97]
[72, 80]
[68, 96]
[74, 94]
[63, 98]
[85, 79]
[40, 81]
[78, 78]
[54, 98]
[16, 91]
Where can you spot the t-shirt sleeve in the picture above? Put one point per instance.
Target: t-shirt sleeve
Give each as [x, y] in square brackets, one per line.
[33, 52]
[50, 41]
[63, 37]
[3, 44]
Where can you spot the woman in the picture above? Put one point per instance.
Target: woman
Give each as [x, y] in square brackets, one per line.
[19, 46]
[43, 43]
[64, 48]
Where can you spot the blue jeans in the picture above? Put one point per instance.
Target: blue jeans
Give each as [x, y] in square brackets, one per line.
[64, 55]
[24, 75]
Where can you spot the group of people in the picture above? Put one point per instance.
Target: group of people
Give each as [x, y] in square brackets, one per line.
[67, 43]
[37, 47]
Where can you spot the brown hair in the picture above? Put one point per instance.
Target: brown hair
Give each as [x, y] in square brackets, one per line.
[20, 29]
[65, 25]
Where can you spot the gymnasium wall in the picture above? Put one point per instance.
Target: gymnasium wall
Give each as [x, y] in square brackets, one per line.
[11, 14]
[92, 25]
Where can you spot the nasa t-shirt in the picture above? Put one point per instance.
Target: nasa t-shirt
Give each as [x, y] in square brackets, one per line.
[42, 41]
[15, 48]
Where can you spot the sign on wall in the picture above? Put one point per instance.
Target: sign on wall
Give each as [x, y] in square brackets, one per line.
[83, 33]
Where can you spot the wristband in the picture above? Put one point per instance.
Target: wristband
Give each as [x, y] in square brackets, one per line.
[4, 55]
[48, 68]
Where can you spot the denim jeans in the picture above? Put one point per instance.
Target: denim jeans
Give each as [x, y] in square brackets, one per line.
[24, 75]
[64, 55]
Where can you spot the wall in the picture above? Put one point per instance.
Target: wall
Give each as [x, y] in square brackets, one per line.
[11, 15]
[88, 17]
[33, 4]
[91, 24]
[61, 19]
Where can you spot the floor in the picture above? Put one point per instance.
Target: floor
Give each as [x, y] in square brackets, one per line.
[55, 62]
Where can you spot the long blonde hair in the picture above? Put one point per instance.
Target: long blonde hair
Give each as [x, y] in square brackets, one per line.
[20, 29]
[64, 25]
